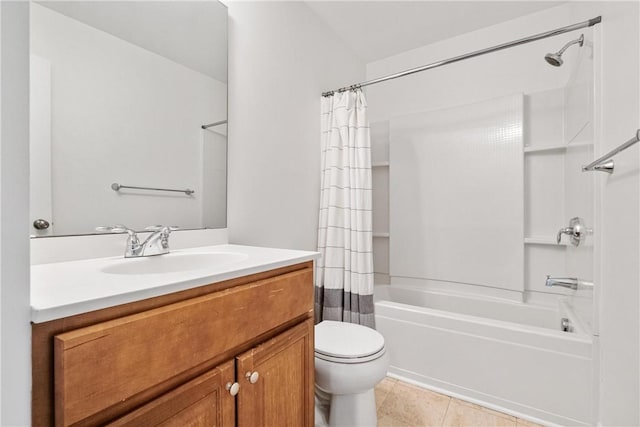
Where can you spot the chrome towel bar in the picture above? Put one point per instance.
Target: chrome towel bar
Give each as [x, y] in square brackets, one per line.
[116, 187]
[603, 164]
[221, 122]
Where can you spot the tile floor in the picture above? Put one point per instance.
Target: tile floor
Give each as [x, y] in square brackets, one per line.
[402, 404]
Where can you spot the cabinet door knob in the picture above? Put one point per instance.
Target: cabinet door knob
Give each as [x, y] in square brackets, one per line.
[252, 377]
[233, 388]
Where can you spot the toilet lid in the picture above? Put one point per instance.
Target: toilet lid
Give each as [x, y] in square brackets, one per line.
[346, 340]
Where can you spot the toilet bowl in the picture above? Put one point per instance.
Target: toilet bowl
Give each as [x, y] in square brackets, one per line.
[350, 360]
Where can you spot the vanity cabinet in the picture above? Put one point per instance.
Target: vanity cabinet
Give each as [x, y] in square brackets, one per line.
[169, 360]
[273, 390]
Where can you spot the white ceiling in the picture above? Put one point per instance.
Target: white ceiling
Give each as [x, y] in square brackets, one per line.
[191, 33]
[378, 29]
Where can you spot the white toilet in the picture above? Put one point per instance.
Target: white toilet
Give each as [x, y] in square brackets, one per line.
[350, 360]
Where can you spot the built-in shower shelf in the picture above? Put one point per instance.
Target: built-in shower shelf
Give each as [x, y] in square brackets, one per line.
[554, 147]
[380, 164]
[543, 240]
[385, 235]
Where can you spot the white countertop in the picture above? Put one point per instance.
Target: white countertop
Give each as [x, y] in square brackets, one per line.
[65, 289]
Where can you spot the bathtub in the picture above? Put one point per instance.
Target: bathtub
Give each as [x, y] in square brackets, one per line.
[509, 356]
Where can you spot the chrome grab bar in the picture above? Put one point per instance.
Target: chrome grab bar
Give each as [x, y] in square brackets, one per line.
[602, 165]
[568, 282]
[116, 187]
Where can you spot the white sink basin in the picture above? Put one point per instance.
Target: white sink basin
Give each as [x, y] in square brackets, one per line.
[173, 262]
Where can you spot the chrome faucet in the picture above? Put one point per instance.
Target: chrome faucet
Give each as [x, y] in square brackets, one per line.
[156, 244]
[568, 282]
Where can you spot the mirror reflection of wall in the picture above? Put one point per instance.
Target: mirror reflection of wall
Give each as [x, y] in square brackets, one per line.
[120, 91]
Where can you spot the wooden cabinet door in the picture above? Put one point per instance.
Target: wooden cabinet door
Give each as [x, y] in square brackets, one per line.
[201, 402]
[283, 392]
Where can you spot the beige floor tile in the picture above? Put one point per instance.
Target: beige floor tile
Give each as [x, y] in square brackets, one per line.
[487, 410]
[387, 382]
[422, 390]
[524, 423]
[385, 421]
[383, 389]
[465, 414]
[407, 405]
[388, 421]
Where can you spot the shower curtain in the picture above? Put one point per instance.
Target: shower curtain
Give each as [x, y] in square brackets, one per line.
[344, 275]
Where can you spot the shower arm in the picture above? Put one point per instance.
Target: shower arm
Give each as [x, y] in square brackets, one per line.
[571, 43]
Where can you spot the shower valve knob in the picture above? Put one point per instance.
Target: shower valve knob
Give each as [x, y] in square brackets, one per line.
[252, 377]
[576, 230]
[562, 231]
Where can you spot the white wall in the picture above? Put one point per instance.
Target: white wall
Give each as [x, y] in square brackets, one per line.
[123, 114]
[15, 336]
[281, 57]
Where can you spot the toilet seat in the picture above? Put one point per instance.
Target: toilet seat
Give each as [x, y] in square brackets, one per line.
[342, 342]
[350, 359]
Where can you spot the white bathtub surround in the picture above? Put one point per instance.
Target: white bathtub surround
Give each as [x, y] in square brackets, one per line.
[508, 356]
[344, 281]
[557, 136]
[456, 205]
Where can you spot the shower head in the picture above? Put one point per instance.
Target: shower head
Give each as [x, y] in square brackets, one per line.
[555, 59]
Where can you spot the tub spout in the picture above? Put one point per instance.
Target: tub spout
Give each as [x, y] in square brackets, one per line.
[568, 282]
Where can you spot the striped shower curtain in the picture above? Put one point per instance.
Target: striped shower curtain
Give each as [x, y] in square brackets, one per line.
[344, 275]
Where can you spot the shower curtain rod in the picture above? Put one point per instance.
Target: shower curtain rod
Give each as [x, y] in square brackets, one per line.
[557, 31]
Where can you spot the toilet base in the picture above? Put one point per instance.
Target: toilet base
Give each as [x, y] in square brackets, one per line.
[322, 404]
[353, 410]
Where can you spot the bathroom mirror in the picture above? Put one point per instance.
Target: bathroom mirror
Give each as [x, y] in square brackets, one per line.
[120, 92]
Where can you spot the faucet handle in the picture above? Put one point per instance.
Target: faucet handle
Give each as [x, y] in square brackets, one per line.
[118, 228]
[133, 243]
[165, 228]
